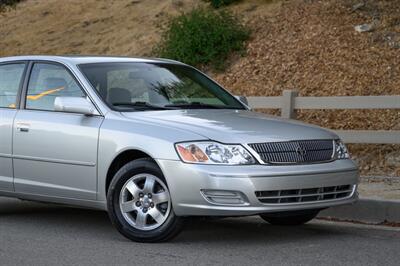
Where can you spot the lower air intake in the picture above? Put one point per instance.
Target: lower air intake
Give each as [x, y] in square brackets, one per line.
[305, 195]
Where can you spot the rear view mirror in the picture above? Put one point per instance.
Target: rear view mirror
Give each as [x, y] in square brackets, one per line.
[78, 105]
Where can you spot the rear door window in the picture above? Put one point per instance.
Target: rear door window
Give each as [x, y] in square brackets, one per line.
[11, 76]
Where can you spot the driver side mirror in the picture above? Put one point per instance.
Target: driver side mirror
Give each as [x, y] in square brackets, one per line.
[78, 105]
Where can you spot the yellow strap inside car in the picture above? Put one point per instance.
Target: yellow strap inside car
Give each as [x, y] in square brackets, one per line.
[38, 96]
[42, 94]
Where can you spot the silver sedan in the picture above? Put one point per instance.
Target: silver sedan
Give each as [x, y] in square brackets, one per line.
[154, 141]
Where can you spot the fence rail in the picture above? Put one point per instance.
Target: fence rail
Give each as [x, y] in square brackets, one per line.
[290, 101]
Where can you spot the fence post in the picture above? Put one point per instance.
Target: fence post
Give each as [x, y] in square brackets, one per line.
[287, 103]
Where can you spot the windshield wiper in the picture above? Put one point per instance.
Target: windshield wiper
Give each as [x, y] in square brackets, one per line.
[198, 105]
[143, 105]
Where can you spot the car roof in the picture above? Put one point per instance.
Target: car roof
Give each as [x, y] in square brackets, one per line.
[87, 59]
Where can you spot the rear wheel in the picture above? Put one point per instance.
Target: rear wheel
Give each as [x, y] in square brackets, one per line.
[139, 203]
[290, 218]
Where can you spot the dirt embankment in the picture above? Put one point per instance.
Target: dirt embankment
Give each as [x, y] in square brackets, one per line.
[307, 45]
[312, 46]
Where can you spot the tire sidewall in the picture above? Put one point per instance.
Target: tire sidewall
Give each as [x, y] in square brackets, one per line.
[163, 232]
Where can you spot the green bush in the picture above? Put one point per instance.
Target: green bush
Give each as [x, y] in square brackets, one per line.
[219, 3]
[7, 4]
[203, 36]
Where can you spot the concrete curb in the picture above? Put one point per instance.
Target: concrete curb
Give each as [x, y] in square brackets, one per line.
[366, 210]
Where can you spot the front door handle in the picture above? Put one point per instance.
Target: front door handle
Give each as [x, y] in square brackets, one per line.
[22, 127]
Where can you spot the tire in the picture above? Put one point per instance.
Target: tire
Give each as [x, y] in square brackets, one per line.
[290, 218]
[139, 203]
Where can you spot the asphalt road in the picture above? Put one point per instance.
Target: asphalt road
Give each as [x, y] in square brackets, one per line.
[39, 234]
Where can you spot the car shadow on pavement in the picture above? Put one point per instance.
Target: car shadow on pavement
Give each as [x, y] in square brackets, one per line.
[96, 224]
[252, 229]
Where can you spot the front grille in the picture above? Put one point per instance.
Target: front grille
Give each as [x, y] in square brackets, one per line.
[304, 195]
[300, 151]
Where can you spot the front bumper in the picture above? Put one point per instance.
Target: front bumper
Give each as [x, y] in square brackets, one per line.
[187, 181]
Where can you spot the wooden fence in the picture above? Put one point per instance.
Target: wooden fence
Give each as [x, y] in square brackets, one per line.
[290, 101]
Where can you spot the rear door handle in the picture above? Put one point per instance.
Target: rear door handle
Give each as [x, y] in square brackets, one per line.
[22, 127]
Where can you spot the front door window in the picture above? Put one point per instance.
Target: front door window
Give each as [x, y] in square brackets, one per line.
[47, 82]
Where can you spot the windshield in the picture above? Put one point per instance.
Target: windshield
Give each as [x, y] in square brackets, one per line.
[150, 86]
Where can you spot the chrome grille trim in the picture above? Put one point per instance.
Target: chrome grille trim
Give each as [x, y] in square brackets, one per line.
[305, 195]
[295, 152]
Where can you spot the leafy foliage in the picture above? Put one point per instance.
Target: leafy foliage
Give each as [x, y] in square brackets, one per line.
[219, 3]
[203, 36]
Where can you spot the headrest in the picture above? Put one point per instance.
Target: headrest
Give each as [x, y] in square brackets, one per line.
[119, 95]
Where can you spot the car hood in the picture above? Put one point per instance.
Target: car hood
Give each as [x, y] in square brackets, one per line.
[233, 126]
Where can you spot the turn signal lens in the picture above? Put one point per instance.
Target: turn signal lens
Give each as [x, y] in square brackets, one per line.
[214, 153]
[191, 153]
[341, 151]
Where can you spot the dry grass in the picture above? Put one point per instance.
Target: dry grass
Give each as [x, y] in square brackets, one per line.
[303, 44]
[123, 27]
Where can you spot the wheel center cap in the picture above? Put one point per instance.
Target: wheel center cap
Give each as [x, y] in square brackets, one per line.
[146, 202]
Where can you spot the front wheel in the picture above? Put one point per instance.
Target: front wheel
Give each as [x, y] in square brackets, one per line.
[139, 203]
[290, 218]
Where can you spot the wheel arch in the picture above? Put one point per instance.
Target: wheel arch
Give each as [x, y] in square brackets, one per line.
[121, 159]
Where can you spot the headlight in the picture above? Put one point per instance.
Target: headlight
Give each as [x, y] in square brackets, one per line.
[341, 151]
[213, 153]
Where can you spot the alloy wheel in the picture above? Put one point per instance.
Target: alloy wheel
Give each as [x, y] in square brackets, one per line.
[145, 202]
